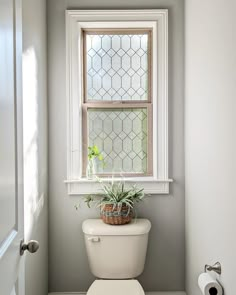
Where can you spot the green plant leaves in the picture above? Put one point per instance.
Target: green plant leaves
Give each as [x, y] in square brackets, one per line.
[116, 194]
[93, 153]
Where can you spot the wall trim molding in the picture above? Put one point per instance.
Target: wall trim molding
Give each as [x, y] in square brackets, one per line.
[76, 21]
[67, 293]
[148, 293]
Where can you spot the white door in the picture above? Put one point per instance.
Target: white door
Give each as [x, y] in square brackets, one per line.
[11, 151]
[11, 154]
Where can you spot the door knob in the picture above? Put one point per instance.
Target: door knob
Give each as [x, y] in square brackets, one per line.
[32, 246]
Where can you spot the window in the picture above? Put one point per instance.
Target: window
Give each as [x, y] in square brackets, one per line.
[117, 102]
[117, 97]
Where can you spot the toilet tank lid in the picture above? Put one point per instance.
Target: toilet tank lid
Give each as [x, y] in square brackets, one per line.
[98, 227]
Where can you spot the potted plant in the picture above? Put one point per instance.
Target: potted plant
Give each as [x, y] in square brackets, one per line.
[116, 202]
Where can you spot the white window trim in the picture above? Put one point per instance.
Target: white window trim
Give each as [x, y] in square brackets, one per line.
[156, 19]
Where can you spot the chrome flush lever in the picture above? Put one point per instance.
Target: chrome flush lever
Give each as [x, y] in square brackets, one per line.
[94, 239]
[32, 247]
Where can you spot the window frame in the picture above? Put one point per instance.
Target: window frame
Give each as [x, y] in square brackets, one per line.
[76, 22]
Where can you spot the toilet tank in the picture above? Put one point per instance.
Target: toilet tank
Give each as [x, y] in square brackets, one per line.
[116, 251]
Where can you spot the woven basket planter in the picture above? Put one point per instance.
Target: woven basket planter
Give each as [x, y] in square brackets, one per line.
[116, 216]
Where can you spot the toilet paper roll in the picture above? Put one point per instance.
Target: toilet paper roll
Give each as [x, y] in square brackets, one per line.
[208, 285]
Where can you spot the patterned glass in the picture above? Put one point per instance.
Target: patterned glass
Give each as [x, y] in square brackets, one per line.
[117, 67]
[121, 136]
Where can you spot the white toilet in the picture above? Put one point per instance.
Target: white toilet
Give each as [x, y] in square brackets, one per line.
[116, 255]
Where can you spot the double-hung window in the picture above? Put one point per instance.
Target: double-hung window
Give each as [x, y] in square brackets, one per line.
[117, 97]
[117, 102]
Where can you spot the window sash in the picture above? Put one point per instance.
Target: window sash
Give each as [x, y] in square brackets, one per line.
[120, 105]
[113, 31]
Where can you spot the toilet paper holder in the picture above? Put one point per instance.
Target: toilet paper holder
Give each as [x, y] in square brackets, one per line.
[215, 267]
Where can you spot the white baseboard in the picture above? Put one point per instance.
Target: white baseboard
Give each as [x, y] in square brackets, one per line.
[148, 293]
[67, 293]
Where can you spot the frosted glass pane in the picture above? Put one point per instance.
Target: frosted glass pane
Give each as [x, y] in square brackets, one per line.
[121, 136]
[116, 67]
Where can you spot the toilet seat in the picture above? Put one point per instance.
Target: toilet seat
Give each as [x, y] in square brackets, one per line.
[115, 287]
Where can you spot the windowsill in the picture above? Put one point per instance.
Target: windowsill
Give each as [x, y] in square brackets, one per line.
[84, 186]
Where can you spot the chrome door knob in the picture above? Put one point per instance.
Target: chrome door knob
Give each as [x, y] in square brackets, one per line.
[32, 247]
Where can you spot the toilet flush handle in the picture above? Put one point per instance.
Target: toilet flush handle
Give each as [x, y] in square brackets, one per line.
[94, 239]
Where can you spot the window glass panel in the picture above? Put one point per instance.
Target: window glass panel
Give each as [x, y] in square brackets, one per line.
[116, 66]
[121, 136]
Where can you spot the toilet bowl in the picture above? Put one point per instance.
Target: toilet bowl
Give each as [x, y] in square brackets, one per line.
[116, 255]
[115, 287]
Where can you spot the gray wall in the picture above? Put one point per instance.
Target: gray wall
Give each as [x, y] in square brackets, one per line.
[68, 267]
[210, 143]
[35, 140]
